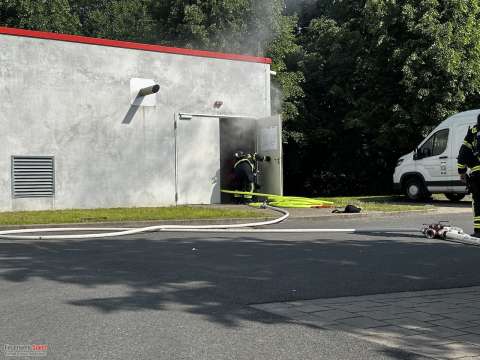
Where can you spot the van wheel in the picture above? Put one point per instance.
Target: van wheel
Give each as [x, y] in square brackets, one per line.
[454, 196]
[415, 189]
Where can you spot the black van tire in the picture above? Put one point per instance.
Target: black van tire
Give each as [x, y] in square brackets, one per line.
[454, 196]
[415, 189]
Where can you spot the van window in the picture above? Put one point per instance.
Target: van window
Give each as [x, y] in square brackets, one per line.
[435, 145]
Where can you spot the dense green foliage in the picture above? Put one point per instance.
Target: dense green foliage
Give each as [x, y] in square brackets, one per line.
[53, 15]
[362, 80]
[379, 75]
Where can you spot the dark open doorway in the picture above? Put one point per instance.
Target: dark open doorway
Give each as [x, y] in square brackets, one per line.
[236, 134]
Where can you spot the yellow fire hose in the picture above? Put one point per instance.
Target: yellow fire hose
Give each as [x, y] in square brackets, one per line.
[284, 201]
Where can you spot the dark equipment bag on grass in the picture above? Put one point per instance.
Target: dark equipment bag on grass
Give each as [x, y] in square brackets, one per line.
[349, 209]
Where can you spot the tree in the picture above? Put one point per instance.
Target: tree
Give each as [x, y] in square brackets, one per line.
[287, 84]
[51, 15]
[245, 26]
[379, 75]
[128, 20]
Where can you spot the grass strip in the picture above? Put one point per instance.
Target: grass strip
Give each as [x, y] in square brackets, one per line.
[122, 214]
[367, 203]
[378, 203]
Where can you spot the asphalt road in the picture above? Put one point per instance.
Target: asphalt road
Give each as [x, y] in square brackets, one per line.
[186, 296]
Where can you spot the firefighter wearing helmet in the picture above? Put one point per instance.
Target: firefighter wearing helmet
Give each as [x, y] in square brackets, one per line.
[245, 169]
[469, 158]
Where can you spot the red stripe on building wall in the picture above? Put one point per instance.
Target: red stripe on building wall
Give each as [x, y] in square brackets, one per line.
[131, 45]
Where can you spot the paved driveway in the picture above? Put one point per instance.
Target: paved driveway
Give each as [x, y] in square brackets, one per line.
[177, 296]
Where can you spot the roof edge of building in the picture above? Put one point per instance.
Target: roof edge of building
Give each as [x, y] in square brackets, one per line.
[130, 45]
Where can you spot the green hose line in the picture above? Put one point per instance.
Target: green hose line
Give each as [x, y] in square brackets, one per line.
[274, 197]
[255, 204]
[302, 201]
[292, 205]
[283, 205]
[283, 201]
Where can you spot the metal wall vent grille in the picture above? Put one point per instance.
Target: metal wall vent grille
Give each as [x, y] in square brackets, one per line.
[33, 176]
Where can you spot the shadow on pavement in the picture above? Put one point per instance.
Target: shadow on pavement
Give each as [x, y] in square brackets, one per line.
[401, 355]
[212, 275]
[215, 276]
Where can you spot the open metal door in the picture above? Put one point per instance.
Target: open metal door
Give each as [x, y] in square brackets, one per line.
[197, 160]
[269, 143]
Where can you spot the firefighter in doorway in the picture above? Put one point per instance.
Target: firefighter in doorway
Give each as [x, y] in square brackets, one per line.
[469, 157]
[245, 169]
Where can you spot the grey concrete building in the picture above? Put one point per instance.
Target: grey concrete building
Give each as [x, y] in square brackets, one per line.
[76, 133]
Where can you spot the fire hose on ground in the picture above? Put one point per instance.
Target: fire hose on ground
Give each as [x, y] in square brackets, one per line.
[433, 231]
[281, 201]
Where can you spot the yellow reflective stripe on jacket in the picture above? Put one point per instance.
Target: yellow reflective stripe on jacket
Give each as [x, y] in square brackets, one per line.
[461, 166]
[467, 144]
[242, 160]
[476, 168]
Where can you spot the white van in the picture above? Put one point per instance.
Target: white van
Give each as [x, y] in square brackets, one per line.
[432, 166]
